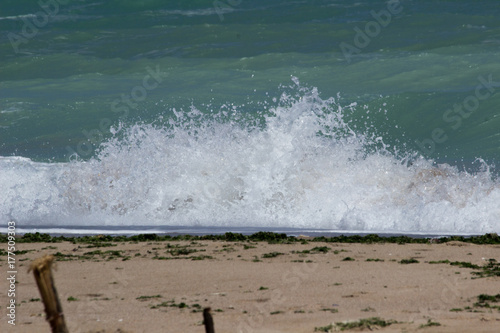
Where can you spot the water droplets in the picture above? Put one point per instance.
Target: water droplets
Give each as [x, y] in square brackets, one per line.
[295, 162]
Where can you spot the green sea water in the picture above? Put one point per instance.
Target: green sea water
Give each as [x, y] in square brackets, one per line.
[341, 115]
[405, 64]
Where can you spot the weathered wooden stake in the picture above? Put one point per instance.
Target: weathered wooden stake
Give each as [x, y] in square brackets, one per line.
[42, 271]
[208, 320]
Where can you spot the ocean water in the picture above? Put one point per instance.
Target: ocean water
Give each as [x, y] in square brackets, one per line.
[320, 116]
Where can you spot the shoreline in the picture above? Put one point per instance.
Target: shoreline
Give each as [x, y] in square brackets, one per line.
[134, 230]
[267, 236]
[262, 283]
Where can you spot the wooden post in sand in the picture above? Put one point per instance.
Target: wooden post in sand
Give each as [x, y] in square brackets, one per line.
[42, 271]
[208, 320]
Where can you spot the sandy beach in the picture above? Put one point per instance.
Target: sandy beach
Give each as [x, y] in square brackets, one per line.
[163, 286]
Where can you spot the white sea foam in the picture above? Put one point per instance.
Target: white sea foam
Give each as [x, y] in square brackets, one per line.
[301, 166]
[216, 10]
[17, 17]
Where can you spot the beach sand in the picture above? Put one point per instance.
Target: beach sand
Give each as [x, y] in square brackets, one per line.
[259, 287]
